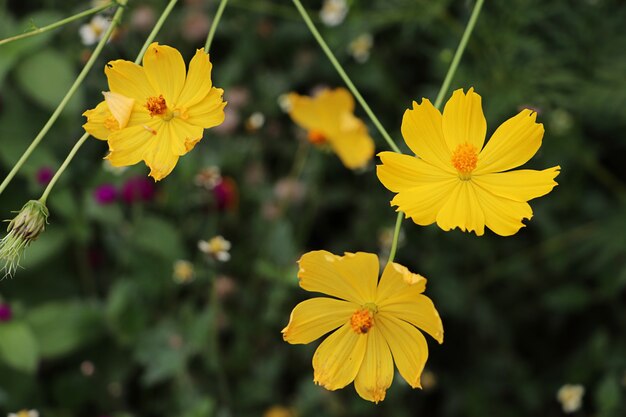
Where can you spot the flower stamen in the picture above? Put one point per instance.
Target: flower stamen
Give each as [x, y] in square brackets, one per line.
[464, 159]
[362, 321]
[156, 105]
[316, 137]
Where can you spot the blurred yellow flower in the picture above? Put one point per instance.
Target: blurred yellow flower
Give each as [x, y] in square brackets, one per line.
[155, 112]
[329, 119]
[455, 181]
[278, 411]
[24, 413]
[217, 247]
[376, 322]
[184, 272]
[571, 397]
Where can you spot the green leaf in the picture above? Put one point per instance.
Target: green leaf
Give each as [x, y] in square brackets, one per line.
[18, 346]
[63, 327]
[159, 238]
[51, 242]
[46, 77]
[607, 396]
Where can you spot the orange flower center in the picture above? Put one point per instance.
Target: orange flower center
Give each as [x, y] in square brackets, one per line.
[156, 105]
[464, 159]
[316, 137]
[362, 321]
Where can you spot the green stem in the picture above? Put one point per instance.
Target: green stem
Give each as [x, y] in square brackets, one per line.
[68, 96]
[60, 23]
[67, 161]
[155, 30]
[458, 54]
[442, 92]
[344, 76]
[396, 234]
[216, 21]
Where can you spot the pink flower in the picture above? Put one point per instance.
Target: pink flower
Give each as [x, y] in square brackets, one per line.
[225, 194]
[5, 312]
[44, 175]
[105, 194]
[138, 189]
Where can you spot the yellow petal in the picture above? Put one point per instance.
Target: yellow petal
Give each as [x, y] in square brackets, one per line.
[208, 112]
[422, 131]
[198, 82]
[512, 144]
[128, 146]
[324, 112]
[352, 277]
[184, 135]
[160, 157]
[502, 215]
[165, 69]
[520, 185]
[97, 122]
[337, 360]
[376, 373]
[423, 202]
[464, 121]
[408, 347]
[120, 106]
[400, 172]
[129, 79]
[462, 210]
[313, 318]
[397, 297]
[355, 147]
[397, 279]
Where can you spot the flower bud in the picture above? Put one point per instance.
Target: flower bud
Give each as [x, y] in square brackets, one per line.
[26, 227]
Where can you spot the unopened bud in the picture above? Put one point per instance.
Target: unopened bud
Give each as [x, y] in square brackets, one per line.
[26, 227]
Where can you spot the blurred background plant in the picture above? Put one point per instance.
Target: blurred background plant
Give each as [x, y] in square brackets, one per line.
[118, 312]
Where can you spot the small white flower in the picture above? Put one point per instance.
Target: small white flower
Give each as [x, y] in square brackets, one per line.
[24, 413]
[570, 397]
[255, 121]
[333, 12]
[284, 103]
[92, 32]
[216, 247]
[360, 47]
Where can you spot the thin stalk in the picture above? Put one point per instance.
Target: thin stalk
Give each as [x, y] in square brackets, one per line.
[458, 54]
[442, 92]
[216, 21]
[155, 30]
[67, 161]
[116, 19]
[60, 23]
[344, 76]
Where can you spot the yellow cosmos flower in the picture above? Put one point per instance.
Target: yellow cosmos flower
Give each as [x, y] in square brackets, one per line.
[375, 321]
[329, 119]
[156, 112]
[455, 181]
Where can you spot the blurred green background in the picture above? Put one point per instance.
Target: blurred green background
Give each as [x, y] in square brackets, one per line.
[100, 324]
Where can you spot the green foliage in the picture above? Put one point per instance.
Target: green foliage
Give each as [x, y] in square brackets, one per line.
[100, 327]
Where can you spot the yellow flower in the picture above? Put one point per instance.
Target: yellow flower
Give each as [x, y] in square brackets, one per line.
[329, 119]
[216, 247]
[571, 397]
[454, 180]
[155, 112]
[376, 322]
[184, 272]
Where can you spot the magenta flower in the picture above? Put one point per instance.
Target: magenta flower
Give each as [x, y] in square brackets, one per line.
[105, 194]
[5, 312]
[44, 175]
[225, 194]
[138, 189]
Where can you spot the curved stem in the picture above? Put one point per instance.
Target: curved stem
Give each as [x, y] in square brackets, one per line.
[458, 54]
[396, 235]
[116, 19]
[60, 23]
[155, 30]
[344, 76]
[216, 21]
[67, 161]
